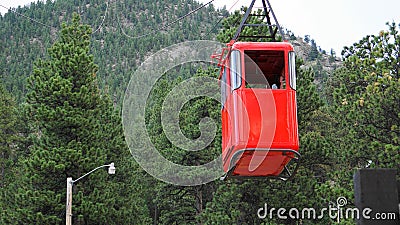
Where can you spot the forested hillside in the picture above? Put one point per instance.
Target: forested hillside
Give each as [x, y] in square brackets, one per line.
[64, 74]
[122, 35]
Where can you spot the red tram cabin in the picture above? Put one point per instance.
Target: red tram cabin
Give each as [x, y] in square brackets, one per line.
[259, 112]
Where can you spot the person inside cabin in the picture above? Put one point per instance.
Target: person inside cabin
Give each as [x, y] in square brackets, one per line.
[276, 83]
[279, 82]
[282, 82]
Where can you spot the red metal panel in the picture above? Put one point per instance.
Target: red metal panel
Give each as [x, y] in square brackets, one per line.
[257, 120]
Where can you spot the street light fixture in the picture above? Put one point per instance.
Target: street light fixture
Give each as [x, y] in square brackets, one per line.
[111, 169]
[70, 183]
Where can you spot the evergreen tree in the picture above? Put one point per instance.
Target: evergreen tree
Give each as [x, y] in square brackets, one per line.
[365, 96]
[363, 107]
[77, 131]
[173, 204]
[68, 127]
[9, 140]
[8, 134]
[23, 41]
[314, 51]
[332, 56]
[307, 38]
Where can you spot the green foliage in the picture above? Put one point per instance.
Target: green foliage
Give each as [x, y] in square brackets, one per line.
[363, 109]
[68, 126]
[8, 145]
[308, 98]
[171, 204]
[233, 203]
[8, 133]
[368, 97]
[77, 130]
[314, 53]
[115, 43]
[74, 128]
[307, 38]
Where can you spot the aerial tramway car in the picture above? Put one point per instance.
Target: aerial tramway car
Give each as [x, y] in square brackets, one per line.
[259, 111]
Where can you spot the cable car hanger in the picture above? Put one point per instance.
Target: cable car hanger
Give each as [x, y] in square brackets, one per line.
[273, 29]
[267, 9]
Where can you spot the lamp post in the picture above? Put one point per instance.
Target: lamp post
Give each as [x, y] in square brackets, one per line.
[70, 183]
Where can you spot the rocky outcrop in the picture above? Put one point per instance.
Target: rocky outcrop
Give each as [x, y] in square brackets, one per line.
[328, 62]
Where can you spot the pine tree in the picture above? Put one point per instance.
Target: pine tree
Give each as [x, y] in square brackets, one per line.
[313, 55]
[173, 204]
[367, 100]
[9, 140]
[77, 131]
[8, 133]
[363, 107]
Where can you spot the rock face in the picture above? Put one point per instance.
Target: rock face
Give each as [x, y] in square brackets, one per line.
[301, 47]
[324, 61]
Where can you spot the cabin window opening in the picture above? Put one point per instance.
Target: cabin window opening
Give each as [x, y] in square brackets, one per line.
[265, 69]
[236, 70]
[292, 70]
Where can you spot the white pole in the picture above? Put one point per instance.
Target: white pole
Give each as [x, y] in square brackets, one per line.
[68, 212]
[70, 183]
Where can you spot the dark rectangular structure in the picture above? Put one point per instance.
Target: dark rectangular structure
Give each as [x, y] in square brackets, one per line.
[376, 189]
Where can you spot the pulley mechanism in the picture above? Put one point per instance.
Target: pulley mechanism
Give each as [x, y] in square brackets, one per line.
[270, 22]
